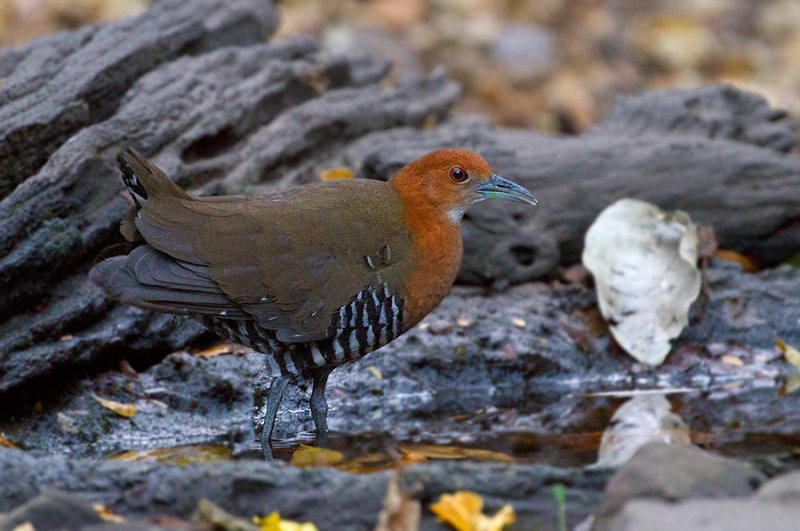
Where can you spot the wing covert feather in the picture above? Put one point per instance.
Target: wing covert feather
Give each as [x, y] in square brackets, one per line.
[292, 259]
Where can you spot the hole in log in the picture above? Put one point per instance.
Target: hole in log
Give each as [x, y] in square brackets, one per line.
[524, 254]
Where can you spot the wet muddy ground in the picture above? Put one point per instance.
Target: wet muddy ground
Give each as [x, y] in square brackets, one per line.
[506, 394]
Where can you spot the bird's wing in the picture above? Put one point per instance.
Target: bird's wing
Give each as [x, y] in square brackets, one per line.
[288, 261]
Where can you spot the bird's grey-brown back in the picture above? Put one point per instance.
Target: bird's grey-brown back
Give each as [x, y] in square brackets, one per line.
[289, 261]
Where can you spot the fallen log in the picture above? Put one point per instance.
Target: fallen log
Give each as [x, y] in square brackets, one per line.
[200, 92]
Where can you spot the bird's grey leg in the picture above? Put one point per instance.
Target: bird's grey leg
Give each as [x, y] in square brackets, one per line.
[276, 390]
[319, 406]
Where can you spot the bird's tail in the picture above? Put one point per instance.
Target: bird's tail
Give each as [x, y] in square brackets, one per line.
[145, 181]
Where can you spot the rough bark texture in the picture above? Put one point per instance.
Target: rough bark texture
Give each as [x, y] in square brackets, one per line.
[195, 86]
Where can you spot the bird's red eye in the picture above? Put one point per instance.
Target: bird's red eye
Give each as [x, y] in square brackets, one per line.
[458, 175]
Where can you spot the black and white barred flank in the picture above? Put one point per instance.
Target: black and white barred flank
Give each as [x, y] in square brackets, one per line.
[372, 319]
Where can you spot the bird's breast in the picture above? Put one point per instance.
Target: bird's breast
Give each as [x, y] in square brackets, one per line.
[435, 260]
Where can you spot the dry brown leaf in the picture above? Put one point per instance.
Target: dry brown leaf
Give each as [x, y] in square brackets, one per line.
[274, 522]
[214, 351]
[335, 174]
[6, 443]
[488, 455]
[367, 464]
[400, 511]
[66, 337]
[748, 264]
[791, 354]
[125, 410]
[178, 455]
[313, 456]
[379, 461]
[464, 511]
[107, 514]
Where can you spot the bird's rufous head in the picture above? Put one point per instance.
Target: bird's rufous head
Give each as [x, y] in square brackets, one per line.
[451, 180]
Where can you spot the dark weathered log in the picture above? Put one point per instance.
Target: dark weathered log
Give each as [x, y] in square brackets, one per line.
[197, 89]
[252, 111]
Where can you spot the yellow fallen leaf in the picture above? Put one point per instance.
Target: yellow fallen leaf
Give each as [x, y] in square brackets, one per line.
[488, 455]
[464, 511]
[435, 451]
[463, 322]
[732, 360]
[178, 455]
[748, 264]
[274, 522]
[792, 384]
[376, 372]
[6, 443]
[519, 323]
[107, 514]
[313, 456]
[791, 354]
[65, 337]
[126, 410]
[335, 174]
[27, 526]
[412, 457]
[213, 352]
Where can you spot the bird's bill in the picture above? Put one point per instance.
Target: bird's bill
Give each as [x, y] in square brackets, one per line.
[499, 188]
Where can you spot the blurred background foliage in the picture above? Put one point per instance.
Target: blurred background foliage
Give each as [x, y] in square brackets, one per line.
[554, 65]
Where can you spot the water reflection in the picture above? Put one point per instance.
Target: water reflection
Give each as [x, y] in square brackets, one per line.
[641, 420]
[601, 429]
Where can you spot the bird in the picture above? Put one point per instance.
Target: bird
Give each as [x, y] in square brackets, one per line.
[313, 277]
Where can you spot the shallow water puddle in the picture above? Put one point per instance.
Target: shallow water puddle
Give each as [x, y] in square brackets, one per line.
[595, 429]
